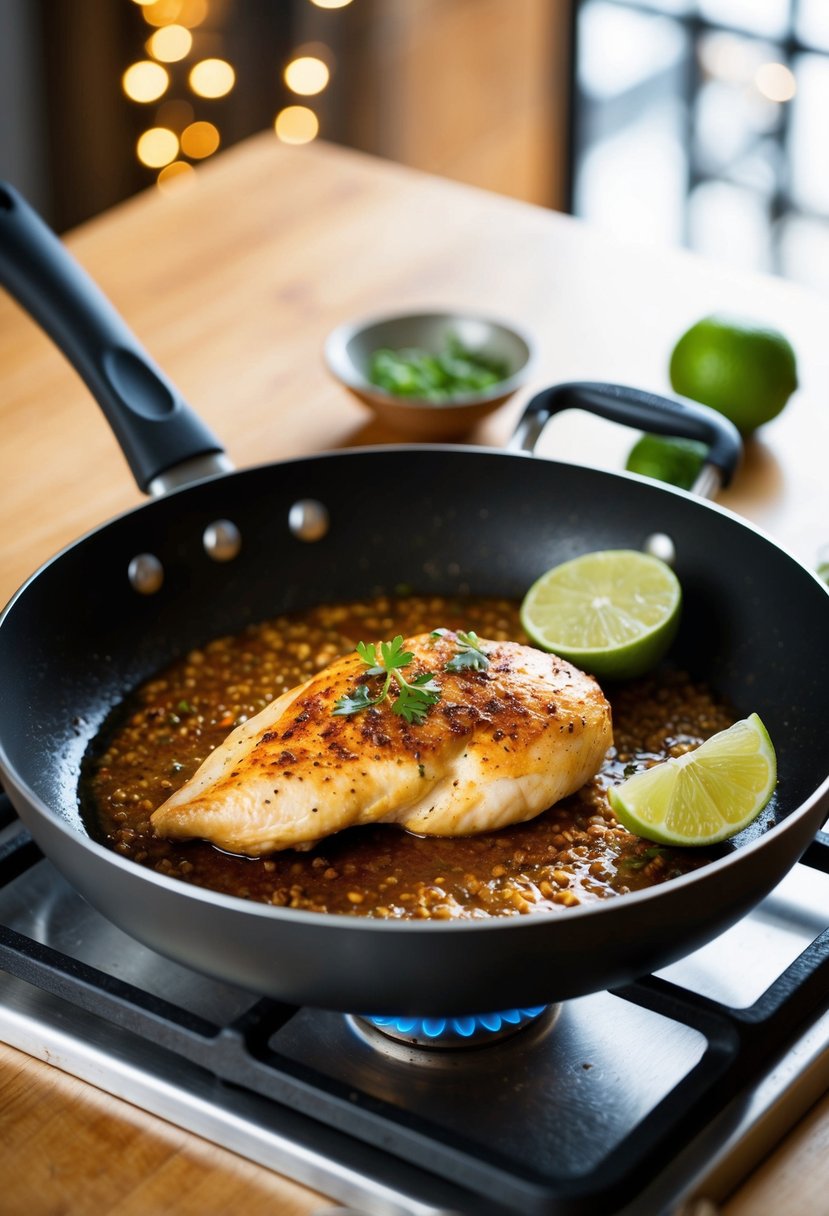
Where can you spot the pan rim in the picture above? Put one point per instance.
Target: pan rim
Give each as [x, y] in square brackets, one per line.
[459, 450]
[366, 924]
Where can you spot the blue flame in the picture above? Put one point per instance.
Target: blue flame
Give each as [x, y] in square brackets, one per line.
[461, 1027]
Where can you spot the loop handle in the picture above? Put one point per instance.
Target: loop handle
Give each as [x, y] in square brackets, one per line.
[644, 411]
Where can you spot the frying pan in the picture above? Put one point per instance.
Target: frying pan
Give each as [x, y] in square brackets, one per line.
[128, 597]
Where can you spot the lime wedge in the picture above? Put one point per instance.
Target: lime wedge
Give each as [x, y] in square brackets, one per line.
[704, 796]
[613, 613]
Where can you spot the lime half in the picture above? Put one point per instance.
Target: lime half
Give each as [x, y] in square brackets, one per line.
[613, 613]
[704, 796]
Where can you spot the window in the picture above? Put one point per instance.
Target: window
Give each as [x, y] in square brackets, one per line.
[700, 122]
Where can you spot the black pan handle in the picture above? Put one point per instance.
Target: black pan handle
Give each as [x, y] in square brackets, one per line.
[635, 408]
[155, 427]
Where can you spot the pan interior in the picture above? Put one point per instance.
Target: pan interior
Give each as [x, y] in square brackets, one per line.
[442, 521]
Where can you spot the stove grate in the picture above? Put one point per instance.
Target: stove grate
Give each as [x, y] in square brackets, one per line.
[739, 1045]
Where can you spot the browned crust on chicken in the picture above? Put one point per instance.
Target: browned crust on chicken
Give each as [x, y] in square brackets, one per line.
[500, 746]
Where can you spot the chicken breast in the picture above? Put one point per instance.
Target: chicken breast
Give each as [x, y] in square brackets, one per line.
[499, 746]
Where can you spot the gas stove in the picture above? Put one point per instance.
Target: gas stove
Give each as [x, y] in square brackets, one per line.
[631, 1101]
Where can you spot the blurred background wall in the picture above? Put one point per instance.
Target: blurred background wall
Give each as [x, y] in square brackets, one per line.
[696, 122]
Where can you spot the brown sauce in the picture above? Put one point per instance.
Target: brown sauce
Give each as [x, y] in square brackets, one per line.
[572, 854]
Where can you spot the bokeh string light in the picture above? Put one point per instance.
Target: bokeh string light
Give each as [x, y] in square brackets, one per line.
[212, 78]
[200, 139]
[184, 81]
[171, 43]
[296, 125]
[306, 75]
[157, 147]
[145, 81]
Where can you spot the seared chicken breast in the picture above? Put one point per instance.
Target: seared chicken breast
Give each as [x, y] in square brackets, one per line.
[499, 746]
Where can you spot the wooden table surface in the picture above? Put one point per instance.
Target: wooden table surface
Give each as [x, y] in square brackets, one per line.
[232, 285]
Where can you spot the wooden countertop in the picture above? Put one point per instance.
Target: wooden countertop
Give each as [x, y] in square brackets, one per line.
[233, 285]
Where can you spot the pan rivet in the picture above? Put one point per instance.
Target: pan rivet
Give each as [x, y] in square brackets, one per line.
[660, 545]
[308, 519]
[222, 540]
[146, 574]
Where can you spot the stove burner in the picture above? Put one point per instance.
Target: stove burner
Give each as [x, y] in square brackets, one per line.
[475, 1030]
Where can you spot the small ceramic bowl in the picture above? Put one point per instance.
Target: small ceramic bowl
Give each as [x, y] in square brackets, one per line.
[349, 348]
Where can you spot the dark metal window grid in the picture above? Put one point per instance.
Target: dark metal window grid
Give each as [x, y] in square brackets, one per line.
[696, 27]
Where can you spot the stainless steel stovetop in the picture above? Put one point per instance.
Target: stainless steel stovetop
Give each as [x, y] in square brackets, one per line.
[625, 1102]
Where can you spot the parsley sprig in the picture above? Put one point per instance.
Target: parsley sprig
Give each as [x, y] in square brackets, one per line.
[470, 657]
[414, 698]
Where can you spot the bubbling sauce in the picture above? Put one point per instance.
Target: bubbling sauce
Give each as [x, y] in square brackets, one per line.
[572, 854]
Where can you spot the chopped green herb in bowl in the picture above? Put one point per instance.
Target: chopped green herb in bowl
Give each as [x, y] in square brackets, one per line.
[452, 372]
[430, 375]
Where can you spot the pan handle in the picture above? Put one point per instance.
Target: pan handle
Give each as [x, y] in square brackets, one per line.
[645, 411]
[163, 440]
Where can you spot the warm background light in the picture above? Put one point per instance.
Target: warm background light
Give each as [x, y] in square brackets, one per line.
[178, 132]
[212, 78]
[162, 12]
[296, 125]
[174, 176]
[171, 43]
[306, 75]
[776, 81]
[157, 147]
[200, 139]
[145, 81]
[192, 13]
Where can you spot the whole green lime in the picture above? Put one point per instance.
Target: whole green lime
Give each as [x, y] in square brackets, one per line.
[677, 461]
[745, 370]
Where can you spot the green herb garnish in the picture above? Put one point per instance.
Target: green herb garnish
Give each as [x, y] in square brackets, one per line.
[414, 697]
[456, 371]
[470, 657]
[640, 860]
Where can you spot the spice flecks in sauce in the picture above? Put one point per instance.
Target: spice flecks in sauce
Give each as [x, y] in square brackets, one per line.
[571, 854]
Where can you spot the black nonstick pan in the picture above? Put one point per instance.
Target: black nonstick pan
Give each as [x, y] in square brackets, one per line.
[225, 549]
